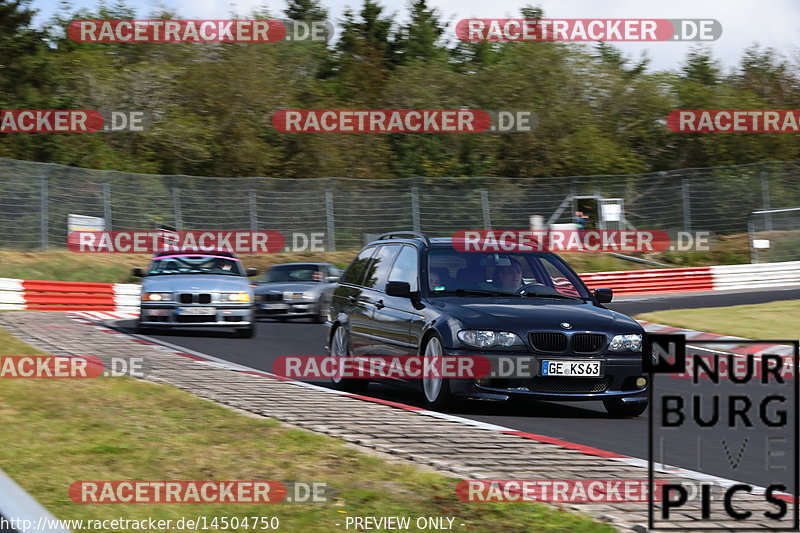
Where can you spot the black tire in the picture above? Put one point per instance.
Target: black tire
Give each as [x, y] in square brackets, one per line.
[340, 346]
[616, 407]
[246, 333]
[143, 330]
[436, 392]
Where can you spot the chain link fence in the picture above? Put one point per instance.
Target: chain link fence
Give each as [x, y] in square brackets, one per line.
[35, 199]
[774, 235]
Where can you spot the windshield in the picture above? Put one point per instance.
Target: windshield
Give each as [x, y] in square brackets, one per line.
[295, 273]
[195, 264]
[476, 273]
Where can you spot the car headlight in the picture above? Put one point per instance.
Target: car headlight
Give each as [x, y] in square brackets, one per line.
[156, 296]
[482, 338]
[234, 297]
[626, 342]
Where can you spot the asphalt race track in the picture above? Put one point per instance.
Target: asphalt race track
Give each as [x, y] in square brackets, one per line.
[585, 423]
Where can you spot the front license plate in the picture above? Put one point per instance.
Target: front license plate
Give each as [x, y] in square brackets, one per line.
[576, 369]
[274, 306]
[196, 311]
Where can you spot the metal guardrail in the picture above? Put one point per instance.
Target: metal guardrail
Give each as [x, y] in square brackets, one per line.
[19, 508]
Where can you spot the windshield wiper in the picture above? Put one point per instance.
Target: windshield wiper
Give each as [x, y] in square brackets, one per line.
[482, 292]
[552, 295]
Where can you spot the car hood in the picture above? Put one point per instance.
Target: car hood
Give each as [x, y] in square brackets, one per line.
[195, 282]
[525, 314]
[310, 286]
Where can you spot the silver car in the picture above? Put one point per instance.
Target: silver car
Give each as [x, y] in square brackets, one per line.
[297, 290]
[185, 289]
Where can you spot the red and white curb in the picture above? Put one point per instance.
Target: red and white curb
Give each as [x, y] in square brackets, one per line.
[210, 360]
[725, 341]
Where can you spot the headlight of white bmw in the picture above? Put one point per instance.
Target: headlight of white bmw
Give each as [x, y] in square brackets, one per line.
[234, 297]
[157, 297]
[483, 338]
[631, 343]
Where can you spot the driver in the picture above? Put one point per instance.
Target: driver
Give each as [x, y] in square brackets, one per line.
[508, 277]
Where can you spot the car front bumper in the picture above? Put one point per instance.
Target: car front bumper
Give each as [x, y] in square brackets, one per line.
[618, 379]
[161, 315]
[286, 309]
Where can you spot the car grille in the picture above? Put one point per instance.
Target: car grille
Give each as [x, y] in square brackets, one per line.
[588, 343]
[548, 342]
[272, 297]
[189, 298]
[561, 385]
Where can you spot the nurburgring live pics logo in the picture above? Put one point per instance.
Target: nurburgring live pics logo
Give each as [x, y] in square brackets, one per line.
[582, 30]
[734, 120]
[751, 416]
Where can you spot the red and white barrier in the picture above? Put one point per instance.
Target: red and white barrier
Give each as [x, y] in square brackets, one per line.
[19, 294]
[124, 297]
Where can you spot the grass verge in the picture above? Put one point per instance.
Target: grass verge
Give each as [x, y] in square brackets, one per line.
[61, 431]
[774, 320]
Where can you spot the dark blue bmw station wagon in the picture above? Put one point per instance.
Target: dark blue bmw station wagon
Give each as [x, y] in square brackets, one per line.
[409, 295]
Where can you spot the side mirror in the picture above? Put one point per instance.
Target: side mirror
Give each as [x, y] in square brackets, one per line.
[252, 272]
[603, 296]
[331, 279]
[137, 272]
[398, 288]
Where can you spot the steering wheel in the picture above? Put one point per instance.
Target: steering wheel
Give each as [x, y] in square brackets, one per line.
[537, 288]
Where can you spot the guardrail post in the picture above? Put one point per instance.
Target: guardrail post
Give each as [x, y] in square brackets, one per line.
[415, 208]
[253, 211]
[766, 201]
[687, 207]
[107, 205]
[487, 215]
[44, 224]
[176, 207]
[329, 220]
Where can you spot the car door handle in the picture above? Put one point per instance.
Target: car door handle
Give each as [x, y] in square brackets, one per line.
[379, 304]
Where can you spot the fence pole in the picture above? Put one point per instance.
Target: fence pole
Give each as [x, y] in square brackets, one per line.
[487, 215]
[45, 216]
[176, 207]
[107, 205]
[766, 201]
[687, 206]
[253, 211]
[415, 223]
[329, 219]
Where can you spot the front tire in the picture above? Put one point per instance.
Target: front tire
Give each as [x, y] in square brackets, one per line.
[436, 390]
[246, 333]
[618, 408]
[340, 347]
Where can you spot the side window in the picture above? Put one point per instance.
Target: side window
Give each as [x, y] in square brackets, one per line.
[558, 279]
[378, 270]
[355, 272]
[405, 267]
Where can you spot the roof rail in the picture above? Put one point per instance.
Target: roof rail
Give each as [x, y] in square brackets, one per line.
[395, 234]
